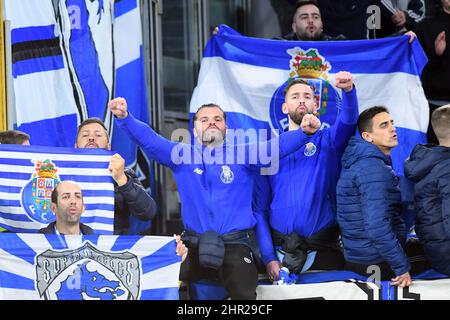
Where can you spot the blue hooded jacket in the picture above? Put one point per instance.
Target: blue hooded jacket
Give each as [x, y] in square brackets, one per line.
[429, 167]
[369, 208]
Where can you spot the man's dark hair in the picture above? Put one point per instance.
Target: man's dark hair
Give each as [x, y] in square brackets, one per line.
[210, 105]
[365, 120]
[55, 194]
[13, 137]
[302, 3]
[293, 83]
[440, 121]
[89, 121]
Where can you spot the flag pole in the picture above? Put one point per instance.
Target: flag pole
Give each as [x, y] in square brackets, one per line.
[3, 125]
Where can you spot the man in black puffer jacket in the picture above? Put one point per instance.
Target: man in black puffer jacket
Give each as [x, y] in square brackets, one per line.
[429, 167]
[130, 197]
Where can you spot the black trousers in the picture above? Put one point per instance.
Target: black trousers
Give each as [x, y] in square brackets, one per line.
[238, 273]
[416, 256]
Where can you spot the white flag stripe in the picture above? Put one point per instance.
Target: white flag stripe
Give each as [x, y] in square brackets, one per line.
[43, 13]
[217, 83]
[161, 278]
[97, 213]
[34, 241]
[106, 242]
[83, 185]
[61, 171]
[12, 264]
[127, 32]
[149, 245]
[56, 156]
[16, 294]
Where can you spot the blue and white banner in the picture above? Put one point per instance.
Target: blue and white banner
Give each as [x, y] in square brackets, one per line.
[53, 267]
[70, 57]
[28, 176]
[246, 77]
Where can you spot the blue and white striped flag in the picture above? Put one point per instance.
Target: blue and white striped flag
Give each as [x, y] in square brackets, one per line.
[246, 77]
[28, 176]
[53, 267]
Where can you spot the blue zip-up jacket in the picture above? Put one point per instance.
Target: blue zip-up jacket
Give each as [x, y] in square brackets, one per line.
[429, 167]
[369, 208]
[301, 196]
[214, 197]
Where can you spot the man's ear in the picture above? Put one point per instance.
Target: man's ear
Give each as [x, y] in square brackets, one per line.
[284, 108]
[109, 146]
[53, 207]
[294, 26]
[367, 136]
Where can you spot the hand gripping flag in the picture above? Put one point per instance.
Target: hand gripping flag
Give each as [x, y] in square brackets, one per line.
[246, 77]
[54, 267]
[28, 176]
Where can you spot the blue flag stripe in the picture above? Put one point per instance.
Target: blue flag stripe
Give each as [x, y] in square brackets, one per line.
[18, 248]
[14, 281]
[124, 6]
[160, 294]
[44, 64]
[97, 220]
[32, 33]
[14, 217]
[158, 259]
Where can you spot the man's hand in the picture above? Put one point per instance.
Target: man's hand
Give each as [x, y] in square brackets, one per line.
[440, 44]
[344, 81]
[181, 250]
[310, 124]
[273, 270]
[117, 169]
[119, 107]
[402, 281]
[399, 18]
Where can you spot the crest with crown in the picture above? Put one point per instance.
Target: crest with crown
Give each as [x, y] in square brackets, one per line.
[45, 169]
[308, 64]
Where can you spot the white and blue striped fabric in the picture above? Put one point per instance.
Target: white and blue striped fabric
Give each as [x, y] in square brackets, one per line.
[70, 57]
[28, 174]
[246, 77]
[52, 267]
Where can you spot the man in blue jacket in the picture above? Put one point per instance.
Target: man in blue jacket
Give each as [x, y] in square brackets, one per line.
[369, 204]
[429, 167]
[295, 208]
[215, 183]
[130, 197]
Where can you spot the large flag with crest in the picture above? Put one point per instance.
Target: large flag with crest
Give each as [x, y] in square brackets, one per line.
[28, 175]
[54, 267]
[246, 77]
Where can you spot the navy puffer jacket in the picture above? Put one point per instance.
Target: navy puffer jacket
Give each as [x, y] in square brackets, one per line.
[429, 167]
[369, 208]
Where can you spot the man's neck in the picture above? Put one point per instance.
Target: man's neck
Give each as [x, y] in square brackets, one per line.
[68, 230]
[293, 126]
[386, 151]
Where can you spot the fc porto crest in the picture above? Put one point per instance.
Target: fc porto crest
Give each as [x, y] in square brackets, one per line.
[87, 273]
[36, 194]
[310, 149]
[308, 65]
[227, 175]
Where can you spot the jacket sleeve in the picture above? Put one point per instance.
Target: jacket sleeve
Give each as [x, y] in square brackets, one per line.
[155, 146]
[376, 208]
[140, 203]
[345, 125]
[268, 153]
[444, 190]
[262, 196]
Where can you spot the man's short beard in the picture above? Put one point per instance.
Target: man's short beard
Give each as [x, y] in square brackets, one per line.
[297, 117]
[208, 138]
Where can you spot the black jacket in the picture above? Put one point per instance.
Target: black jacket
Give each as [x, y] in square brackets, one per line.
[131, 199]
[50, 229]
[429, 167]
[292, 36]
[436, 75]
